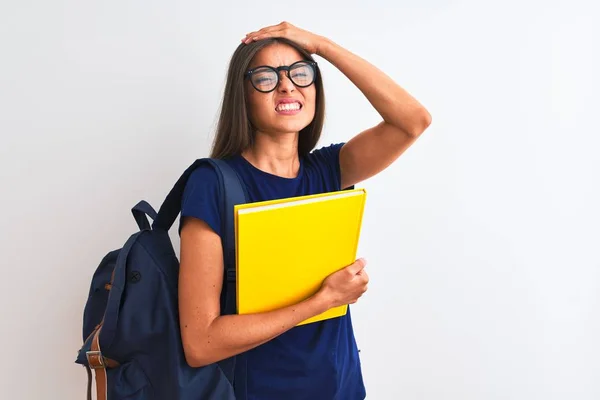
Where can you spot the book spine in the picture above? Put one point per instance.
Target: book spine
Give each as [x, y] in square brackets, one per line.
[359, 224]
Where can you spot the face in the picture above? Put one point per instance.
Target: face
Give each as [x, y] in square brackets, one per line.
[287, 109]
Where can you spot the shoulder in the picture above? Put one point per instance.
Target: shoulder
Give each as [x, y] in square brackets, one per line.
[326, 153]
[201, 184]
[200, 197]
[325, 161]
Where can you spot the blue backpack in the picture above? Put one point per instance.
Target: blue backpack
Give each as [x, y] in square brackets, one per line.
[130, 322]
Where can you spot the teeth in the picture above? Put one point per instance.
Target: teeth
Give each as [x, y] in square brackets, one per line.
[288, 107]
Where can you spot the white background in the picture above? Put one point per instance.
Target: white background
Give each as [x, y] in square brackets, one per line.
[483, 239]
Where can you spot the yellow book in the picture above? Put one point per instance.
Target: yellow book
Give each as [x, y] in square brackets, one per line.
[285, 248]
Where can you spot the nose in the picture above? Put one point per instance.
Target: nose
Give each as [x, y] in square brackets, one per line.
[285, 84]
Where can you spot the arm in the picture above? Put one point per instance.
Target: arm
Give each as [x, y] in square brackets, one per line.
[404, 119]
[207, 336]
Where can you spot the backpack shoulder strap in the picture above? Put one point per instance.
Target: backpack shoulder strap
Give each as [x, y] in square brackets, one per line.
[231, 192]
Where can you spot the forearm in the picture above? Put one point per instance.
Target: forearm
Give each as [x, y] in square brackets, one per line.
[229, 335]
[395, 105]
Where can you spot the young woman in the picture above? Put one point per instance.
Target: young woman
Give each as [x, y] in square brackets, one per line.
[270, 123]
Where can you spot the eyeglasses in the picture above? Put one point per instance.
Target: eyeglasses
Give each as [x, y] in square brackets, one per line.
[265, 78]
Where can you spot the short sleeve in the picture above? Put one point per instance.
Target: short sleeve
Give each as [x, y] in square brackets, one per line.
[327, 159]
[200, 197]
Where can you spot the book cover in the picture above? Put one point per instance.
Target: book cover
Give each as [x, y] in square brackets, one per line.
[285, 248]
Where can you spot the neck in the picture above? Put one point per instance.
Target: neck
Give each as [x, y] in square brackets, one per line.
[275, 154]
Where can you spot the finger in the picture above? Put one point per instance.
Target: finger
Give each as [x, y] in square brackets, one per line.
[357, 266]
[364, 276]
[266, 35]
[266, 29]
[277, 27]
[250, 35]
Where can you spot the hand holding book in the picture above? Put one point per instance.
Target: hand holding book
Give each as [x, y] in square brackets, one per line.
[345, 286]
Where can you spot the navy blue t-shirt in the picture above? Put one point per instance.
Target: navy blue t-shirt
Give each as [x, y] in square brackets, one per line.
[317, 361]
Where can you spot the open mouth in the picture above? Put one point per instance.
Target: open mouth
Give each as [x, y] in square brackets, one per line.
[288, 107]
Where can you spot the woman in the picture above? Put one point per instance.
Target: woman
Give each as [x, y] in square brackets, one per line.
[271, 120]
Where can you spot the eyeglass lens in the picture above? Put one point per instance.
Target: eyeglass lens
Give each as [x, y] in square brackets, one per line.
[266, 78]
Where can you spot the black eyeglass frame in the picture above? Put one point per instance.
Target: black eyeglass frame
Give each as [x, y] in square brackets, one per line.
[286, 68]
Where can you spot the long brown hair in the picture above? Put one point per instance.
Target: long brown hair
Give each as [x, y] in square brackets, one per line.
[234, 131]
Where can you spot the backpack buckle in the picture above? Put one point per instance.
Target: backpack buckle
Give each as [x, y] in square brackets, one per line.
[231, 275]
[95, 359]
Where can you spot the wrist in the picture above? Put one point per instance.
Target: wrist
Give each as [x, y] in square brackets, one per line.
[323, 46]
[323, 300]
